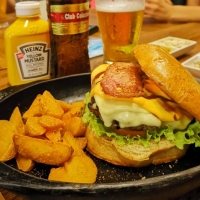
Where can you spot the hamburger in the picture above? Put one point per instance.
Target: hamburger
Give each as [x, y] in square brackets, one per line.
[144, 112]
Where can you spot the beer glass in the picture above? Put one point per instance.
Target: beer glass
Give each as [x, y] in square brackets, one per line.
[120, 23]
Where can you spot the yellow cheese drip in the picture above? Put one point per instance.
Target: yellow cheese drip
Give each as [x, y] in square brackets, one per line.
[165, 110]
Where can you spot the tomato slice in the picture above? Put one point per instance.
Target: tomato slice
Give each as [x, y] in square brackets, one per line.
[132, 133]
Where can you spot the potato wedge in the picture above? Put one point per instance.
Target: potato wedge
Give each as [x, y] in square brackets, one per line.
[42, 151]
[16, 120]
[64, 105]
[58, 174]
[34, 109]
[81, 141]
[7, 147]
[33, 127]
[54, 136]
[69, 139]
[49, 106]
[79, 168]
[77, 108]
[76, 126]
[50, 122]
[66, 119]
[24, 164]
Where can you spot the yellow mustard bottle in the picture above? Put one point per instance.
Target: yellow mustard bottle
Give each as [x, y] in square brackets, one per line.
[27, 45]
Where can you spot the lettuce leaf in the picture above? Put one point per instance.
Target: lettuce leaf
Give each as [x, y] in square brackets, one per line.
[191, 135]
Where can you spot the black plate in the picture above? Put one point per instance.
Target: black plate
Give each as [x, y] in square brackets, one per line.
[167, 181]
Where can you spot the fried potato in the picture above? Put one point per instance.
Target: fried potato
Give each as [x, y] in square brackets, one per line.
[66, 119]
[33, 127]
[64, 105]
[79, 168]
[7, 147]
[16, 120]
[54, 135]
[81, 141]
[24, 164]
[34, 109]
[68, 138]
[76, 126]
[77, 108]
[42, 151]
[58, 174]
[75, 171]
[50, 122]
[50, 106]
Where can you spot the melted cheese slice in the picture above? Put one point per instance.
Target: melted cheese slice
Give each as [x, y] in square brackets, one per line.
[165, 111]
[152, 87]
[129, 114]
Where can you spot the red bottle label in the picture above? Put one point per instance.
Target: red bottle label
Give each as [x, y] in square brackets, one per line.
[70, 18]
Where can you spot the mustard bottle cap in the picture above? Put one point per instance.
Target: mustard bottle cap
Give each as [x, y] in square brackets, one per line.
[27, 8]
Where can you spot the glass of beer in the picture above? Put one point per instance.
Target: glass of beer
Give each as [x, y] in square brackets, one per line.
[120, 23]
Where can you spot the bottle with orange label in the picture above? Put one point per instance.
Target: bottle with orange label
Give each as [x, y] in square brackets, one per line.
[69, 22]
[27, 45]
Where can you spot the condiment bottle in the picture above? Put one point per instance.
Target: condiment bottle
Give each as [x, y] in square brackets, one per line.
[27, 45]
[69, 22]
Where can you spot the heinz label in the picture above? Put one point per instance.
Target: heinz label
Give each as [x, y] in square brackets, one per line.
[33, 60]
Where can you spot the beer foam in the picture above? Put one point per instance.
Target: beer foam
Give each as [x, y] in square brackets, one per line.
[120, 5]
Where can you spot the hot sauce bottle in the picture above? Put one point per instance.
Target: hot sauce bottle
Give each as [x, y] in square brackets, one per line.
[27, 45]
[69, 23]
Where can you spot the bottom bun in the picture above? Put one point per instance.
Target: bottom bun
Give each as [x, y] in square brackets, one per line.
[133, 155]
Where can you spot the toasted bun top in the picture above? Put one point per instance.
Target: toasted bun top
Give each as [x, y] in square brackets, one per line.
[170, 76]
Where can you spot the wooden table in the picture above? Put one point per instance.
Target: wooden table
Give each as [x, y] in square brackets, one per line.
[151, 30]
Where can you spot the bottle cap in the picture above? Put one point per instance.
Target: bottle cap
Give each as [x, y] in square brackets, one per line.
[27, 8]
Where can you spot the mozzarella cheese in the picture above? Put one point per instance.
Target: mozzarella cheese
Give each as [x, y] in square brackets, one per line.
[164, 110]
[129, 114]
